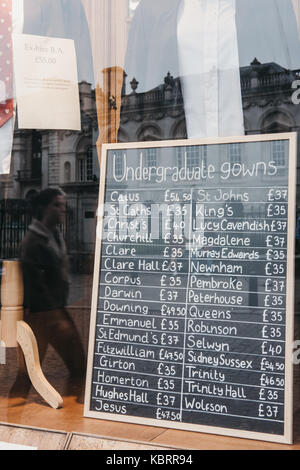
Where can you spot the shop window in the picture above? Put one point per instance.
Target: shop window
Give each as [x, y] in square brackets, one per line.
[156, 72]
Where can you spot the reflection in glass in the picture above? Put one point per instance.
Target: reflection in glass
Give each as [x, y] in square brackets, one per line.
[278, 153]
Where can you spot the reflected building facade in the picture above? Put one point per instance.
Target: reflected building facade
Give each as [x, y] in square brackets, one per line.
[69, 158]
[51, 158]
[270, 105]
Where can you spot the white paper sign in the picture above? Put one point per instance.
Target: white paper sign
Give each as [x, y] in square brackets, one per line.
[46, 81]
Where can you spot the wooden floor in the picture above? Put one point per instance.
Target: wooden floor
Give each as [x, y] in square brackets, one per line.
[29, 410]
[35, 413]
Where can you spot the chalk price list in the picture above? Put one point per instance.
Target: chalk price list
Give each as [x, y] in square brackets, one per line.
[191, 324]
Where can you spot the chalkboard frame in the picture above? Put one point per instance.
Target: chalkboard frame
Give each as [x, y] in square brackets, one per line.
[287, 437]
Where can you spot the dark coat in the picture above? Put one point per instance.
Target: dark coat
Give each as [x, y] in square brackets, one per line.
[45, 269]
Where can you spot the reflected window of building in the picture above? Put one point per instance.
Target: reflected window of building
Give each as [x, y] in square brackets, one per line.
[151, 157]
[67, 172]
[89, 163]
[85, 165]
[278, 153]
[81, 169]
[234, 153]
[195, 156]
[36, 154]
[119, 164]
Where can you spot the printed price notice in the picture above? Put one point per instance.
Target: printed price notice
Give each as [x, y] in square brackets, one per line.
[46, 83]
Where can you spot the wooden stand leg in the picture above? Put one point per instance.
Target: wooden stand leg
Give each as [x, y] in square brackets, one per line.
[14, 331]
[27, 341]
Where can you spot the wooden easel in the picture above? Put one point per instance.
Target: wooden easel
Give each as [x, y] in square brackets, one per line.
[14, 331]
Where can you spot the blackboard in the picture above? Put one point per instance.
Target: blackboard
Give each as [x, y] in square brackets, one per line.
[193, 294]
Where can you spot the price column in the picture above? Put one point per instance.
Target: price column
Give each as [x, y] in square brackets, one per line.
[236, 300]
[172, 294]
[272, 366]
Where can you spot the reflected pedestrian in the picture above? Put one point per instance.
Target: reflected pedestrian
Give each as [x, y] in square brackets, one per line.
[46, 283]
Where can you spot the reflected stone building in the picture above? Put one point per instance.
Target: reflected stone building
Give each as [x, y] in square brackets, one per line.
[64, 158]
[69, 158]
[269, 103]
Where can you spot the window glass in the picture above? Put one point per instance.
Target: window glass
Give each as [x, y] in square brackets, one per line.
[108, 71]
